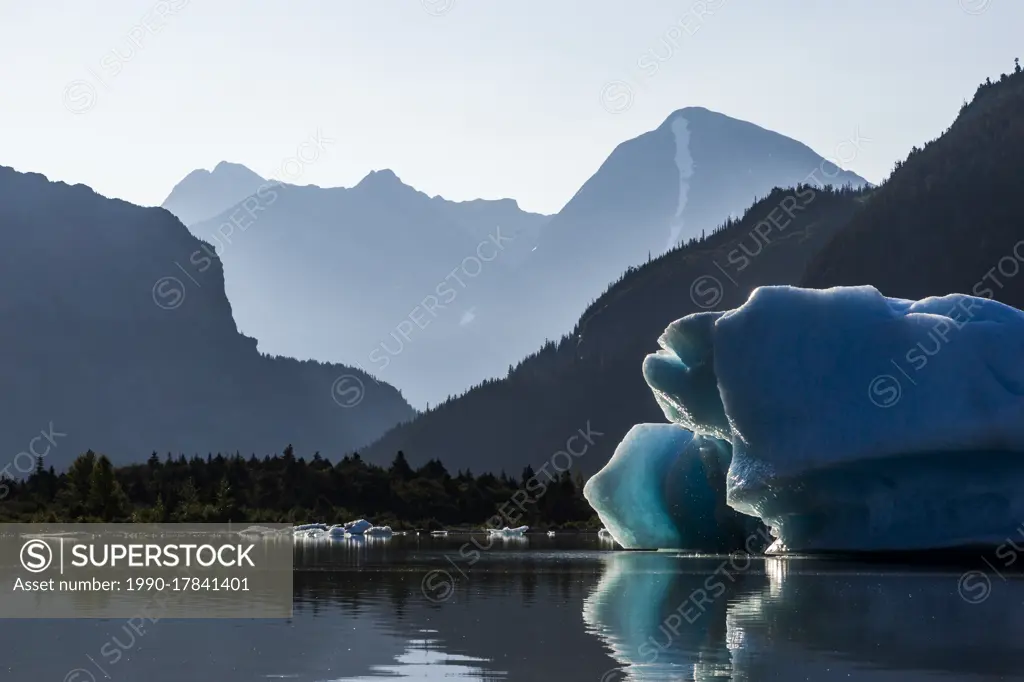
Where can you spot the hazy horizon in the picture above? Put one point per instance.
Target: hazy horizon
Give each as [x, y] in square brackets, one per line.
[469, 101]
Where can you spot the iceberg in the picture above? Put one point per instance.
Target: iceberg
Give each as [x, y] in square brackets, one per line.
[358, 527]
[664, 488]
[508, 532]
[844, 420]
[261, 530]
[353, 529]
[308, 527]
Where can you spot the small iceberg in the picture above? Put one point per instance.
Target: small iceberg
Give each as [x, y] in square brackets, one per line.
[358, 527]
[258, 530]
[508, 532]
[379, 531]
[439, 533]
[309, 526]
[551, 533]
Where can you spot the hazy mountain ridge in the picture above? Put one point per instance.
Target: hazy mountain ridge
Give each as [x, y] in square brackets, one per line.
[662, 188]
[380, 275]
[126, 360]
[364, 262]
[926, 211]
[592, 376]
[203, 194]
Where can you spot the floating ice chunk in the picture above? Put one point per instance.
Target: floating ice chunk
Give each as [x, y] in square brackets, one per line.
[258, 530]
[901, 425]
[438, 533]
[357, 527]
[857, 422]
[379, 531]
[521, 530]
[551, 533]
[798, 373]
[665, 489]
[309, 526]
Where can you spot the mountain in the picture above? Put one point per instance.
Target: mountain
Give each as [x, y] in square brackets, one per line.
[947, 220]
[953, 209]
[380, 275]
[435, 296]
[119, 337]
[590, 380]
[672, 184]
[203, 194]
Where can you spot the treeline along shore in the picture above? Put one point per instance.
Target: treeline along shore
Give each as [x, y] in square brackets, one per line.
[289, 489]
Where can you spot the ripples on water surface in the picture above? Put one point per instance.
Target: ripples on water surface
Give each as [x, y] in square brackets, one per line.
[567, 609]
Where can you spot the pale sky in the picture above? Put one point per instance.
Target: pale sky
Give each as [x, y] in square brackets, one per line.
[470, 98]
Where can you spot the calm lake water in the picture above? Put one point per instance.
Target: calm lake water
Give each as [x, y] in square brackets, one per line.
[567, 609]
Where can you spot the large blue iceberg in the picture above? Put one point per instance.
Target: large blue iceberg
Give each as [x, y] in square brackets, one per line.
[841, 419]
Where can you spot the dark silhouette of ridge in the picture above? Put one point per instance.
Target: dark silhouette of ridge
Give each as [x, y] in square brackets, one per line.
[950, 219]
[121, 337]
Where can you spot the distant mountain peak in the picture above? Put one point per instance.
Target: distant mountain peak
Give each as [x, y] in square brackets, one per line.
[203, 194]
[381, 178]
[694, 113]
[696, 110]
[705, 115]
[235, 168]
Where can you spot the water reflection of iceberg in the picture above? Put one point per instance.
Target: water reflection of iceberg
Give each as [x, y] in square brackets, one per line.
[913, 621]
[662, 614]
[786, 618]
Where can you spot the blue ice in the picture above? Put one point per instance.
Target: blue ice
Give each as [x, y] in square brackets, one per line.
[846, 421]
